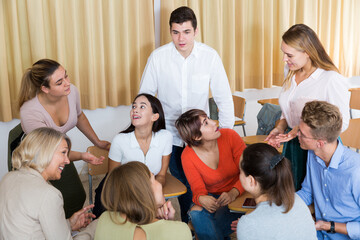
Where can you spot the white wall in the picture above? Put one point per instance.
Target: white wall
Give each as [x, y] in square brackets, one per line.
[106, 122]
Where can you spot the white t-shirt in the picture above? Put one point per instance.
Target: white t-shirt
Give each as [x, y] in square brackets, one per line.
[321, 85]
[125, 148]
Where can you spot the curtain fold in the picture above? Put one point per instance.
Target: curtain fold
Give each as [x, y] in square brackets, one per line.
[104, 46]
[247, 34]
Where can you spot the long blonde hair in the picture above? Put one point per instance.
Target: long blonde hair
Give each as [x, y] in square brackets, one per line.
[127, 189]
[36, 77]
[304, 39]
[37, 149]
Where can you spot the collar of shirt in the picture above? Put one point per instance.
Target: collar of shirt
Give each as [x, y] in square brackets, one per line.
[316, 73]
[31, 171]
[314, 76]
[336, 157]
[134, 143]
[194, 53]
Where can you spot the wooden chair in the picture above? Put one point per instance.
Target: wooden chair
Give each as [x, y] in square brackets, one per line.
[351, 136]
[15, 136]
[97, 169]
[239, 107]
[173, 187]
[239, 111]
[354, 99]
[274, 101]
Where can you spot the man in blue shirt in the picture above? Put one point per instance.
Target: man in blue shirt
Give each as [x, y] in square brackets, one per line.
[332, 179]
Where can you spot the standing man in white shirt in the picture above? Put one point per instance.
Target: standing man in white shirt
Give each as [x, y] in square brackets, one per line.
[180, 73]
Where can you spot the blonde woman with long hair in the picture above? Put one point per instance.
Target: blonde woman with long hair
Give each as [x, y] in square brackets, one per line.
[310, 75]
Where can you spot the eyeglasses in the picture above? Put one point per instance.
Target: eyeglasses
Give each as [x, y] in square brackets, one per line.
[301, 134]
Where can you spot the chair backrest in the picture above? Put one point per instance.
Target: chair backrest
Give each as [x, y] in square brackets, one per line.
[98, 169]
[355, 98]
[351, 136]
[267, 117]
[213, 109]
[15, 136]
[239, 106]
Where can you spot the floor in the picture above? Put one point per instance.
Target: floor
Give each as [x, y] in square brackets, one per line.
[97, 180]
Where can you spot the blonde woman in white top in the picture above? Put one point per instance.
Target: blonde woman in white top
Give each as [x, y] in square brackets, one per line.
[310, 75]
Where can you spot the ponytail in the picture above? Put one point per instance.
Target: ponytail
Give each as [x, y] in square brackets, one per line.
[272, 171]
[282, 192]
[35, 77]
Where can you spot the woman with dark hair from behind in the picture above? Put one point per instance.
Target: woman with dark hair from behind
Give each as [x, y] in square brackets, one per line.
[135, 206]
[145, 140]
[280, 213]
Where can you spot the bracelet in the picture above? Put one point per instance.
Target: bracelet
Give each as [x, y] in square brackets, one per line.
[332, 227]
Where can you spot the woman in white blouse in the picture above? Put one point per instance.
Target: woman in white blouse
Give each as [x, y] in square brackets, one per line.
[145, 140]
[310, 75]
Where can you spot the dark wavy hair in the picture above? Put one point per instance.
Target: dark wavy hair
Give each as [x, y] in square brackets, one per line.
[156, 108]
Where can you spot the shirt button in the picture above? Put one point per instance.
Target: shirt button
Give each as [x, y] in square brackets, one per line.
[325, 184]
[324, 214]
[327, 199]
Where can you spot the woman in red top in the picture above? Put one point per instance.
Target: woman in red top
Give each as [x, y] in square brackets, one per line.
[211, 165]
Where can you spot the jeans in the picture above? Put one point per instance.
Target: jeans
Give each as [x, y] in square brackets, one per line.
[213, 226]
[177, 171]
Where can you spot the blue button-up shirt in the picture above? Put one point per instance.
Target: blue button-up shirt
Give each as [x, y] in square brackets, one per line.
[335, 190]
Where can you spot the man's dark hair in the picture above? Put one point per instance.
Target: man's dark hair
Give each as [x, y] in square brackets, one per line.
[183, 14]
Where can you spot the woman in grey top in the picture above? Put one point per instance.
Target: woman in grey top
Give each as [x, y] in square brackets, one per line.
[279, 213]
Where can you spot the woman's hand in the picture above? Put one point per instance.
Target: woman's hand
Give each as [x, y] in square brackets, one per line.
[103, 144]
[89, 158]
[227, 197]
[209, 203]
[272, 140]
[234, 225]
[287, 137]
[166, 211]
[81, 218]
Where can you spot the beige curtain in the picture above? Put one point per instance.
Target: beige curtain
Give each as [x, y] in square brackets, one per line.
[104, 45]
[247, 34]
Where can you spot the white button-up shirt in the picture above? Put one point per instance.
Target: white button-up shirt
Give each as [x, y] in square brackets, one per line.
[182, 84]
[322, 85]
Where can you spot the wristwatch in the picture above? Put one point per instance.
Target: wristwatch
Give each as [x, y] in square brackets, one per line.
[332, 227]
